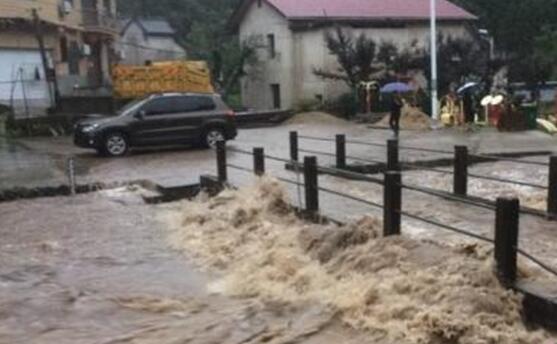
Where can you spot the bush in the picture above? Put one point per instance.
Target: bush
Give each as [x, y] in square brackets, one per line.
[307, 105]
[346, 105]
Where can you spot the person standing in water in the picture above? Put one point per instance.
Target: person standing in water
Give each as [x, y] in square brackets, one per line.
[396, 110]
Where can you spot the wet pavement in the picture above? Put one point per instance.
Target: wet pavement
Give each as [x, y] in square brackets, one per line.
[42, 161]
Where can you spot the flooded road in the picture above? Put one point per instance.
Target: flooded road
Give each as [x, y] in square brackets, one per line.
[20, 166]
[97, 269]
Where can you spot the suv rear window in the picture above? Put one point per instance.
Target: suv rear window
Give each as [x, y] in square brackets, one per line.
[170, 105]
[162, 106]
[198, 103]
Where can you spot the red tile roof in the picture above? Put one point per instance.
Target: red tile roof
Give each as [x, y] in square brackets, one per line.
[368, 9]
[364, 10]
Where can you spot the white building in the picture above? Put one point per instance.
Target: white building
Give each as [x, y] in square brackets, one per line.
[78, 37]
[293, 34]
[144, 40]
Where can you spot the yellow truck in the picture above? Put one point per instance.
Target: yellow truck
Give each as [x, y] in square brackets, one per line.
[132, 82]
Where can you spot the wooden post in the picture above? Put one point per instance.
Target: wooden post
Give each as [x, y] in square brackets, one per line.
[294, 145]
[460, 181]
[506, 239]
[392, 156]
[552, 191]
[259, 161]
[341, 151]
[221, 162]
[311, 184]
[392, 192]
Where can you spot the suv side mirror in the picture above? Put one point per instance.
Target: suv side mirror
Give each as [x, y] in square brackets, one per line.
[141, 114]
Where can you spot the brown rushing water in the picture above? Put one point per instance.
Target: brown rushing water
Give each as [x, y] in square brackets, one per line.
[97, 269]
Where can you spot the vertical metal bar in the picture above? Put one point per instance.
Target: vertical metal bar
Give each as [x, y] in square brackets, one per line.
[552, 192]
[460, 182]
[392, 203]
[311, 184]
[392, 156]
[71, 175]
[341, 151]
[506, 239]
[221, 162]
[259, 161]
[294, 145]
[433, 50]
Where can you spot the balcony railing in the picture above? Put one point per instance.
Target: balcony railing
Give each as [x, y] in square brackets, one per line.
[98, 21]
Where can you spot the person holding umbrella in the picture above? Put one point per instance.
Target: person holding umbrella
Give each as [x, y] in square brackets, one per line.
[396, 89]
[396, 110]
[468, 101]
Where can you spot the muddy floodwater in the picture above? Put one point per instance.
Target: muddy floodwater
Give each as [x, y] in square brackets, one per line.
[97, 268]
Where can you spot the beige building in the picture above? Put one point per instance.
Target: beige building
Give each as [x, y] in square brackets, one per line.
[78, 38]
[292, 34]
[144, 40]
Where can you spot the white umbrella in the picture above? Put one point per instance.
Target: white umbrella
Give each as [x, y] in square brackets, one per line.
[487, 100]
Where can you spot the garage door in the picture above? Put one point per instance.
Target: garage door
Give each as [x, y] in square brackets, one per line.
[22, 82]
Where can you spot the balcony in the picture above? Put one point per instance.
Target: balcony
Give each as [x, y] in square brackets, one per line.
[99, 22]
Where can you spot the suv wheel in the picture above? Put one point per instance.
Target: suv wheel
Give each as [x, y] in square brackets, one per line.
[212, 136]
[116, 144]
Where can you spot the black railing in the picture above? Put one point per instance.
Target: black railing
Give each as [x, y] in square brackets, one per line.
[507, 211]
[461, 161]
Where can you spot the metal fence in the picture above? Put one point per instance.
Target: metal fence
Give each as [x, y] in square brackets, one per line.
[507, 210]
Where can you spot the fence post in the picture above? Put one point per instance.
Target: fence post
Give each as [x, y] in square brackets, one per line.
[552, 192]
[221, 162]
[460, 182]
[71, 175]
[341, 151]
[259, 161]
[311, 184]
[392, 156]
[506, 239]
[392, 203]
[294, 145]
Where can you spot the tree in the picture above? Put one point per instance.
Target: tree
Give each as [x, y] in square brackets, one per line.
[356, 58]
[228, 64]
[459, 60]
[520, 29]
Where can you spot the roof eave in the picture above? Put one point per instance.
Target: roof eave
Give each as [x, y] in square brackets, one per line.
[379, 19]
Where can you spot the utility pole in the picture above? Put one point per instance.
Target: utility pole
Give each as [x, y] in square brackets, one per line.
[433, 50]
[40, 40]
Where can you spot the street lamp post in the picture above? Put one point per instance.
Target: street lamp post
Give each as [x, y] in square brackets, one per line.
[433, 34]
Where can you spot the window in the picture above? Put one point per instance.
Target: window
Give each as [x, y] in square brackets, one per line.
[63, 49]
[197, 103]
[163, 106]
[275, 91]
[271, 45]
[74, 55]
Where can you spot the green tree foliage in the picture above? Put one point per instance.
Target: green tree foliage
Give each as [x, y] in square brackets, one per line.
[521, 29]
[362, 59]
[356, 57]
[459, 61]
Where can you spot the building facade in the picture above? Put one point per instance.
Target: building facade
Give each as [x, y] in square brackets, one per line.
[292, 34]
[148, 40]
[78, 38]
